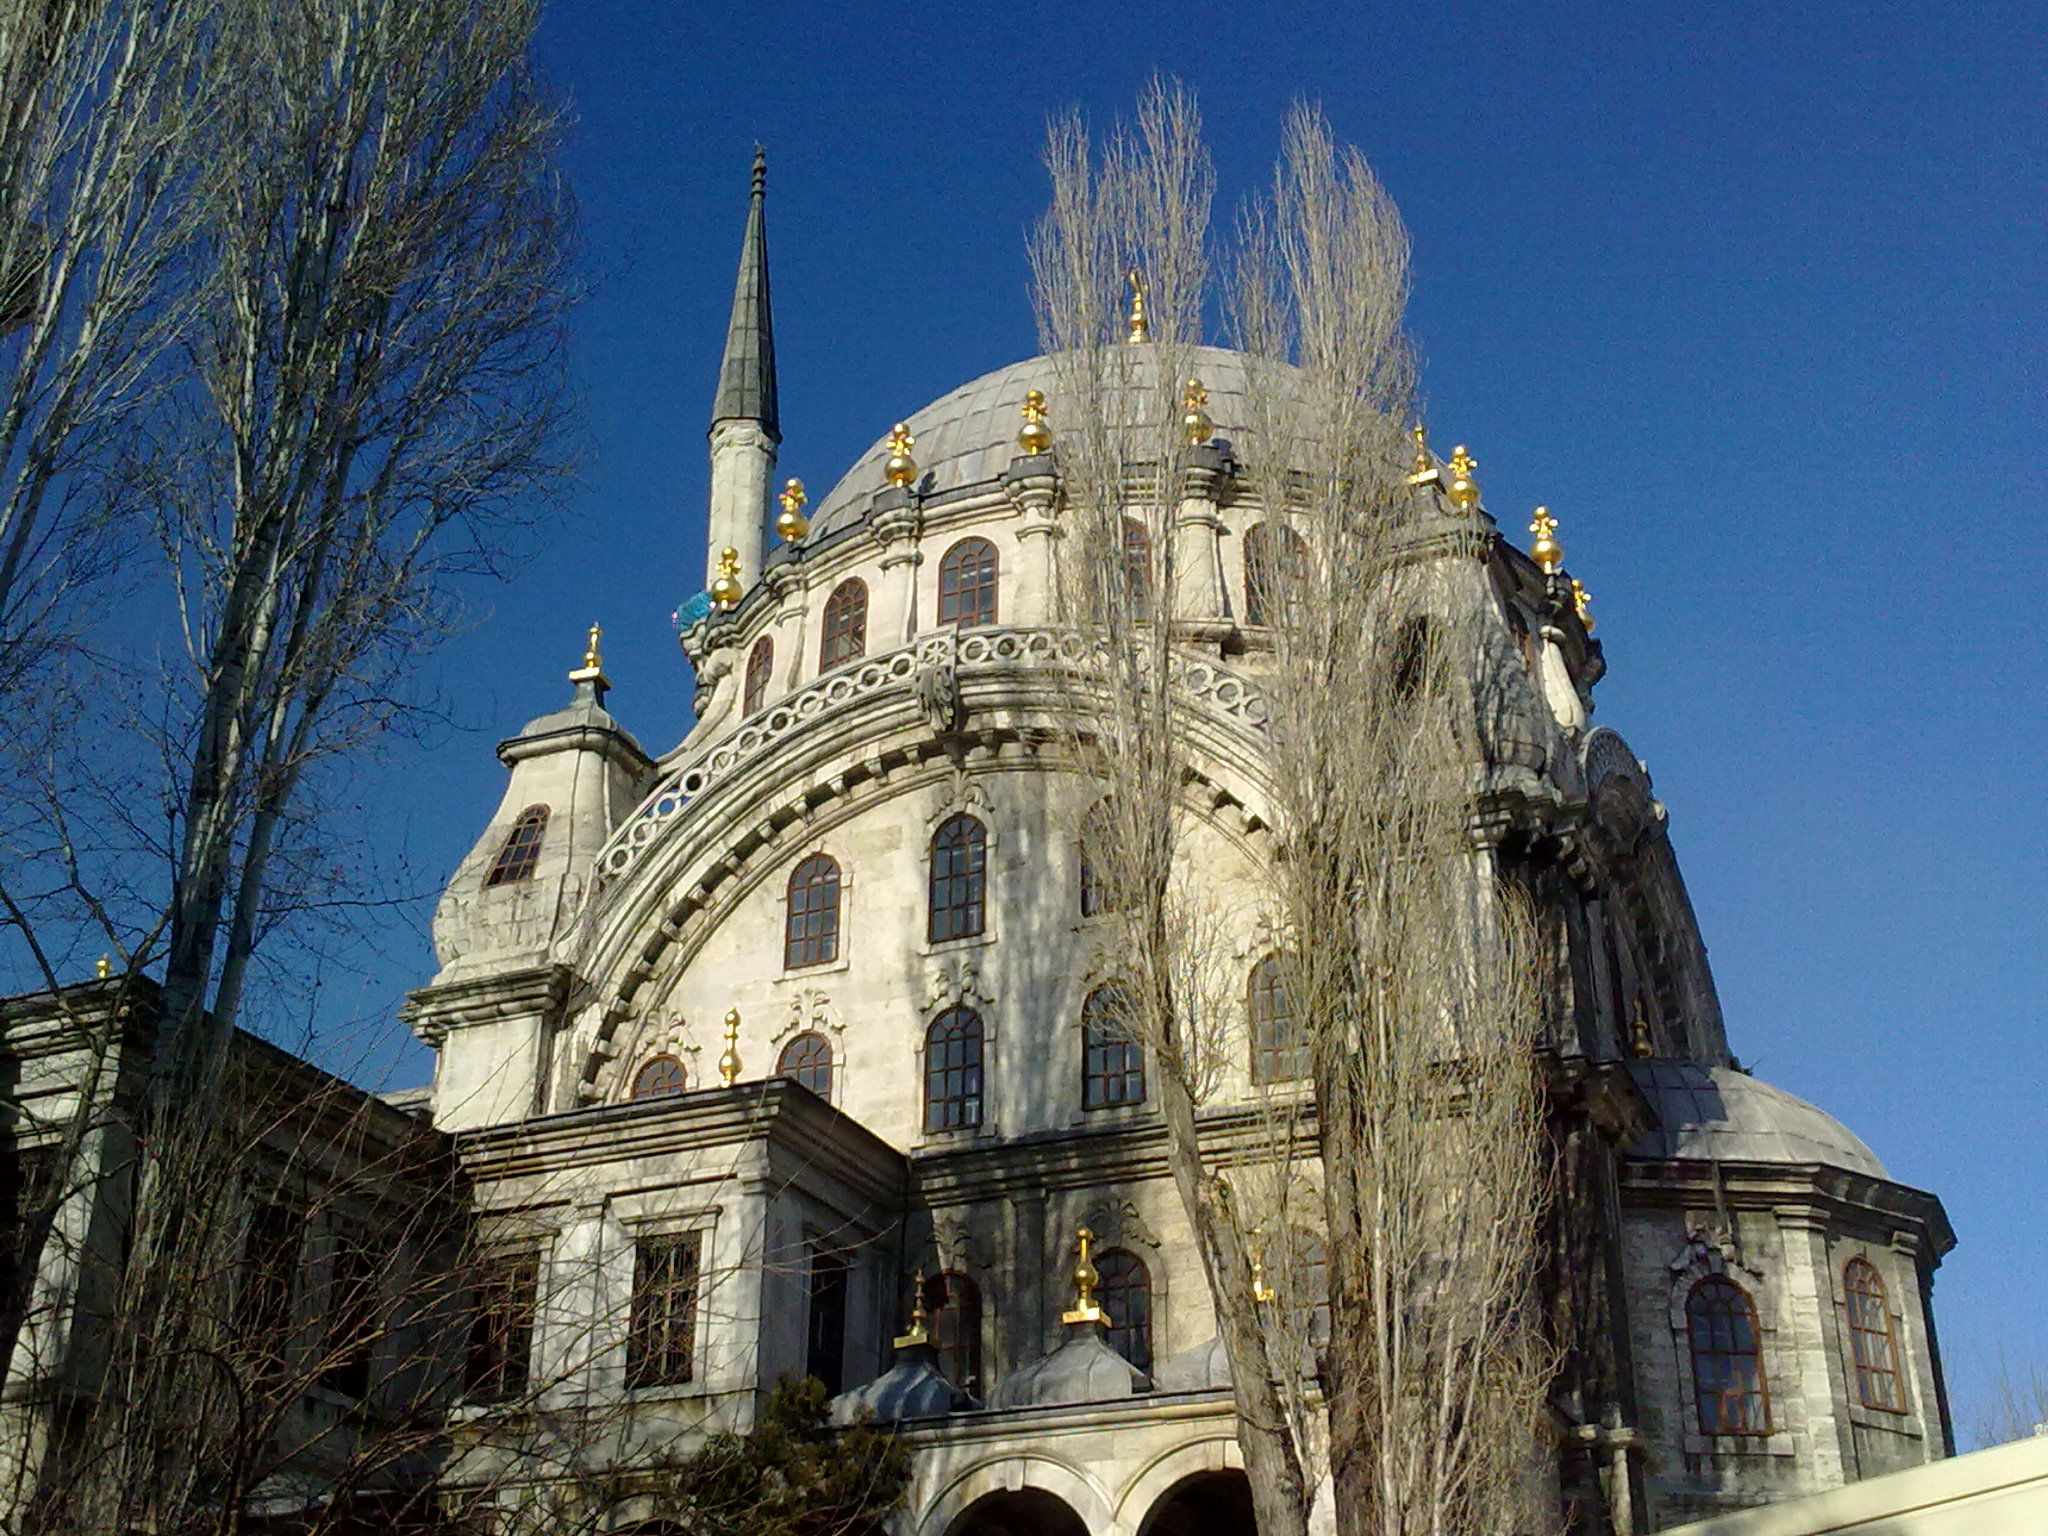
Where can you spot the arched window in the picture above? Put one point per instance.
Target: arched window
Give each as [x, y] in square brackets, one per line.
[952, 1307]
[967, 584]
[1279, 1035]
[1308, 1282]
[1275, 563]
[846, 625]
[1727, 1362]
[1123, 1289]
[661, 1074]
[516, 860]
[1138, 568]
[808, 1059]
[1112, 1062]
[1870, 1337]
[952, 1071]
[959, 881]
[810, 919]
[1097, 894]
[760, 665]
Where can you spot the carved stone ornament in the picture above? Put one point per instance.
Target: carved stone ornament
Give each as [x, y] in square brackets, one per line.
[1117, 1224]
[955, 983]
[937, 686]
[810, 1012]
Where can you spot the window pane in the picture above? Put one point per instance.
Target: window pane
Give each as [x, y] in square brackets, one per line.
[846, 625]
[501, 1327]
[1279, 1037]
[952, 1071]
[808, 1059]
[1870, 1338]
[811, 922]
[967, 584]
[760, 664]
[662, 1334]
[1727, 1364]
[958, 880]
[663, 1074]
[1123, 1289]
[516, 860]
[1112, 1062]
[952, 1304]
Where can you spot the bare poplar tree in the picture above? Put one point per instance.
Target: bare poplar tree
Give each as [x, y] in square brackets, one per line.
[1418, 1152]
[1136, 223]
[1412, 960]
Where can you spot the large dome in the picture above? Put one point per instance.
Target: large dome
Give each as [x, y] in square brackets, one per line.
[970, 435]
[1716, 1114]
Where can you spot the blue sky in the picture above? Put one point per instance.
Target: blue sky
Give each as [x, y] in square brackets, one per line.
[1751, 296]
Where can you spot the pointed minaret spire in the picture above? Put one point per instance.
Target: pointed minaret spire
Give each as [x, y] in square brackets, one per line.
[746, 379]
[746, 425]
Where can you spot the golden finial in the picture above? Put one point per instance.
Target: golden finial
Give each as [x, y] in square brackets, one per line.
[1463, 489]
[1084, 1309]
[1194, 420]
[915, 1333]
[1261, 1292]
[1545, 551]
[729, 1063]
[592, 662]
[1140, 330]
[1639, 1035]
[1582, 604]
[901, 469]
[1034, 437]
[726, 590]
[104, 966]
[790, 522]
[1424, 472]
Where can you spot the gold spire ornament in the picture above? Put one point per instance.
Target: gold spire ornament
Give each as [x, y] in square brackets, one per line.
[1424, 471]
[592, 670]
[1085, 1309]
[1582, 604]
[1034, 437]
[1194, 420]
[1545, 551]
[726, 590]
[1261, 1292]
[591, 659]
[901, 470]
[1639, 1035]
[729, 1063]
[915, 1334]
[790, 522]
[1141, 329]
[1463, 489]
[104, 967]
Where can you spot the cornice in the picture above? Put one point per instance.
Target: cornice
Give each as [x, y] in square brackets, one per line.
[434, 1010]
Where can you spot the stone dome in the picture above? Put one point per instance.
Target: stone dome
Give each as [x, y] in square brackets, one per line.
[1719, 1114]
[1084, 1369]
[970, 435]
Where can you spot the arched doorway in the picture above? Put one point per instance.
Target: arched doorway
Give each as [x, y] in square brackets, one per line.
[1206, 1504]
[1024, 1512]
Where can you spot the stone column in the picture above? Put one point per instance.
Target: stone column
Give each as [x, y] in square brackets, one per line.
[787, 581]
[896, 525]
[1033, 485]
[1199, 607]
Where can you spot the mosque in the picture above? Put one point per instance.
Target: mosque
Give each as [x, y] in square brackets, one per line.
[786, 1032]
[777, 1050]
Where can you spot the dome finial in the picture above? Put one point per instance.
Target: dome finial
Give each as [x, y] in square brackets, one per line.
[1463, 489]
[790, 522]
[1545, 551]
[901, 470]
[726, 590]
[1141, 329]
[1582, 604]
[1034, 437]
[1424, 471]
[1261, 1292]
[1085, 1308]
[1194, 421]
[591, 673]
[915, 1334]
[729, 1062]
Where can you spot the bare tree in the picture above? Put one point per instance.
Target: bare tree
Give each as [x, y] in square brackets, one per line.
[1419, 1151]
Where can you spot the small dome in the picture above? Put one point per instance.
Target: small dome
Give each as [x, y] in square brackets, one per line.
[912, 1388]
[1082, 1370]
[1201, 1369]
[1721, 1115]
[970, 436]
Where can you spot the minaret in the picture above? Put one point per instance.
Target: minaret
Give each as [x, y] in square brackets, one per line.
[746, 428]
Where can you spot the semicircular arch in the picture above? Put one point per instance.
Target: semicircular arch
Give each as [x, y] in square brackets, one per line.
[1015, 1473]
